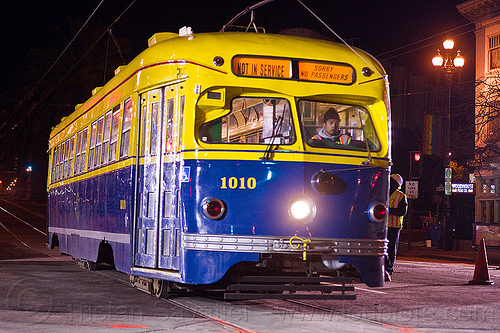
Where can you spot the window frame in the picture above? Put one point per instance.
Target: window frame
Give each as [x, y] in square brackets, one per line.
[93, 137]
[231, 117]
[494, 52]
[346, 128]
[114, 133]
[126, 128]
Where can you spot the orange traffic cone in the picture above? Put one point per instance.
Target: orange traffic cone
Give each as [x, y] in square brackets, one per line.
[481, 274]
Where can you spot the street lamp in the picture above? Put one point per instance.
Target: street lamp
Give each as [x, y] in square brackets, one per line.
[29, 168]
[448, 64]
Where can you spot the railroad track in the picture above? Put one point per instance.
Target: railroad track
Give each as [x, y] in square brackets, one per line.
[192, 305]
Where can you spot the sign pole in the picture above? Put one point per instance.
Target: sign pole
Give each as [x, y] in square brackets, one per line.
[411, 190]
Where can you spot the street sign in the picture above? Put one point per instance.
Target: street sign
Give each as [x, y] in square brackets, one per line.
[411, 189]
[462, 188]
[447, 188]
[447, 175]
[472, 178]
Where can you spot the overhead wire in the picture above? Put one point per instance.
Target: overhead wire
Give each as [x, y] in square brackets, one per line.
[338, 36]
[425, 39]
[90, 48]
[421, 47]
[48, 71]
[380, 56]
[126, 9]
[70, 70]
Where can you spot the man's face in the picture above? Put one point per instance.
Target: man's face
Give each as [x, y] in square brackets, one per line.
[332, 127]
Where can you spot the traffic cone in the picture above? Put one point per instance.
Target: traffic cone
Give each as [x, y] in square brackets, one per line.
[481, 273]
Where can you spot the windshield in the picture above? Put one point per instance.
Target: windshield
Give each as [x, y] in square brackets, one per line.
[339, 126]
[252, 121]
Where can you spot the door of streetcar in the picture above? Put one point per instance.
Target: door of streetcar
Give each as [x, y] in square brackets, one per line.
[157, 228]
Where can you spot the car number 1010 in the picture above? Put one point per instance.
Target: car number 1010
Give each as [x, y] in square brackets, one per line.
[238, 183]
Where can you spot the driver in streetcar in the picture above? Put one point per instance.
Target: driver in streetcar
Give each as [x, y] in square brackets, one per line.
[331, 130]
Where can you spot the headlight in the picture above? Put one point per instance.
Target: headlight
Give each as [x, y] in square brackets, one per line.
[302, 209]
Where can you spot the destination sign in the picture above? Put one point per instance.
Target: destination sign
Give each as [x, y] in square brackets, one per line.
[325, 72]
[262, 67]
[295, 69]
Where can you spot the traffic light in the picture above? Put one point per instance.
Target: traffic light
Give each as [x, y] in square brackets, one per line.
[416, 164]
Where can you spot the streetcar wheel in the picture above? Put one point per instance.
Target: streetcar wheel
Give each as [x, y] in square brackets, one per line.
[90, 265]
[160, 288]
[132, 279]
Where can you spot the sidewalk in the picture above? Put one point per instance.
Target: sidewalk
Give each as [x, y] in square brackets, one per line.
[418, 251]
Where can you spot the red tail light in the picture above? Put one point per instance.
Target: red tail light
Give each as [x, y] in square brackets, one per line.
[213, 208]
[377, 212]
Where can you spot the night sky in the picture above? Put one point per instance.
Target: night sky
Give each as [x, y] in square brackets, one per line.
[34, 34]
[381, 26]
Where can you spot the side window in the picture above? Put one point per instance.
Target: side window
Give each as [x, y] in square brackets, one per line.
[105, 140]
[81, 147]
[54, 164]
[181, 120]
[98, 146]
[169, 121]
[154, 127]
[71, 148]
[78, 153]
[93, 136]
[144, 117]
[61, 161]
[56, 158]
[83, 150]
[59, 155]
[252, 121]
[114, 133]
[64, 162]
[124, 149]
[58, 167]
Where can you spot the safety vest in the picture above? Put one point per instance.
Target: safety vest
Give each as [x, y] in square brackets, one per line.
[394, 200]
[343, 139]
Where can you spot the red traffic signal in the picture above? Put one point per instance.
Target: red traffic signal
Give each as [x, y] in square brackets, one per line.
[416, 164]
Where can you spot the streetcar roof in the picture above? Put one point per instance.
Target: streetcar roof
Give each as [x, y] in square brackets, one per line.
[201, 49]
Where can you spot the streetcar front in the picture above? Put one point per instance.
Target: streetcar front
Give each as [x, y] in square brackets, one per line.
[270, 187]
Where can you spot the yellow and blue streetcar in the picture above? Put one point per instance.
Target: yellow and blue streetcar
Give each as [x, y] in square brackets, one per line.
[198, 158]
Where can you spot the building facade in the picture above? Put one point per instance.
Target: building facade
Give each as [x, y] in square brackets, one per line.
[484, 14]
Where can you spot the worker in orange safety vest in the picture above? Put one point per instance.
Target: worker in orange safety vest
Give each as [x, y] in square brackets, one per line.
[398, 206]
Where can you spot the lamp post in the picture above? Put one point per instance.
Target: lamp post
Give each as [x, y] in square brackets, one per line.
[28, 185]
[448, 64]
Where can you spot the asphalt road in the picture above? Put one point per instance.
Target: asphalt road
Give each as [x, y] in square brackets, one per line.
[44, 291]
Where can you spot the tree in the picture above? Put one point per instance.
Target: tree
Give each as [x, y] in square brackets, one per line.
[487, 123]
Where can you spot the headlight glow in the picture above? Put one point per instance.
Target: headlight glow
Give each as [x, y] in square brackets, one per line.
[302, 209]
